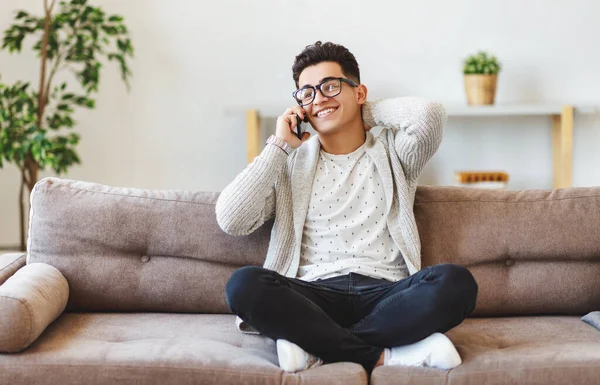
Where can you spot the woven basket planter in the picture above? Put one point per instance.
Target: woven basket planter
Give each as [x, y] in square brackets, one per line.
[481, 89]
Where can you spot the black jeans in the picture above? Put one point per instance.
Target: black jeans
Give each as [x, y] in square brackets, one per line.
[352, 317]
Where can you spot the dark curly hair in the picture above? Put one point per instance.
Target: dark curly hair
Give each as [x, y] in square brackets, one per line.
[323, 52]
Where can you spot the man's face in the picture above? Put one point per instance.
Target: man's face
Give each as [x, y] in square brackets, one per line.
[329, 115]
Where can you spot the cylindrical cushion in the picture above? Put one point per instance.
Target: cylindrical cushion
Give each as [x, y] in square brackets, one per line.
[29, 301]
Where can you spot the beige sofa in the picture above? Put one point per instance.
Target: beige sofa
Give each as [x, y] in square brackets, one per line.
[146, 272]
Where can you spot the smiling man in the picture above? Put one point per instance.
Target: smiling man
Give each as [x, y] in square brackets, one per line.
[342, 280]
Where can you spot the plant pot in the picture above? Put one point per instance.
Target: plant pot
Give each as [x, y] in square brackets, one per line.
[481, 89]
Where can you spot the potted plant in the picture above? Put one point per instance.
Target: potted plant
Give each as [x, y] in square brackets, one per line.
[79, 39]
[481, 78]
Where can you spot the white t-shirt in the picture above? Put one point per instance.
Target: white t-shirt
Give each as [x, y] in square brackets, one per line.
[346, 225]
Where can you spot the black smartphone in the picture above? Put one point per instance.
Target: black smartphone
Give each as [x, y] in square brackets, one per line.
[299, 122]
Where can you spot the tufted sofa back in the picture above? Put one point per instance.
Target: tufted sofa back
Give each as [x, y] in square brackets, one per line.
[125, 249]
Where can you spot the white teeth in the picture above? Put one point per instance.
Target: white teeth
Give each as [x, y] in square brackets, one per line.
[325, 112]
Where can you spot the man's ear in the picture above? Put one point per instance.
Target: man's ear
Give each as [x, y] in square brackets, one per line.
[361, 93]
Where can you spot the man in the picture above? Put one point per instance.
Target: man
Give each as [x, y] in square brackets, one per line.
[342, 280]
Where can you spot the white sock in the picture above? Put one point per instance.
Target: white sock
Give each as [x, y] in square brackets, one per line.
[435, 351]
[292, 358]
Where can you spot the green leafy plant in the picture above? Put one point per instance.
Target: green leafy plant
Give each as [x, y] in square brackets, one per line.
[481, 63]
[77, 38]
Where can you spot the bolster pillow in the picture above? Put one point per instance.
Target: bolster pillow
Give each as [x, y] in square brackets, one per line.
[30, 300]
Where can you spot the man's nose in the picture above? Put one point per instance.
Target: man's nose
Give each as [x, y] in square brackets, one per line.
[319, 98]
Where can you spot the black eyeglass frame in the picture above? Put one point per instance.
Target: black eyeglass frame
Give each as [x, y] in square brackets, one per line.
[318, 87]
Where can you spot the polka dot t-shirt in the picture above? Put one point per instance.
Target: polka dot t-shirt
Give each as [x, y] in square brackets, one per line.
[346, 228]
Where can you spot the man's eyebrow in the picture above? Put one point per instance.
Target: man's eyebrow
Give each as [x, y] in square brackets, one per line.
[326, 78]
[320, 81]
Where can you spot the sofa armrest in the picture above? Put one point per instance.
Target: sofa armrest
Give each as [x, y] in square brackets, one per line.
[10, 263]
[30, 300]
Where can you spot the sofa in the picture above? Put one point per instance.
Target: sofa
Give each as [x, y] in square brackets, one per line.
[126, 286]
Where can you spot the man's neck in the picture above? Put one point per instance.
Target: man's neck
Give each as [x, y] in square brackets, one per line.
[344, 142]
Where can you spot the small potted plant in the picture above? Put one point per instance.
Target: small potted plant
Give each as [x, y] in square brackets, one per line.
[481, 77]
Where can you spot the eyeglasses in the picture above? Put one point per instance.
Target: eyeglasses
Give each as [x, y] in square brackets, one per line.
[329, 88]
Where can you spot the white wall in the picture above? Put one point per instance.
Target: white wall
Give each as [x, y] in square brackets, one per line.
[199, 64]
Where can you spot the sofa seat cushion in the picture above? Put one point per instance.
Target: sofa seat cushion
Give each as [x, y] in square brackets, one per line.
[158, 348]
[520, 350]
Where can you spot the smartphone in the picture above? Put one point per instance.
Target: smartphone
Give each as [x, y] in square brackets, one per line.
[299, 122]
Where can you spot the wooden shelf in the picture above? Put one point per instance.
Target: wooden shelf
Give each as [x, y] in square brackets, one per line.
[561, 118]
[562, 129]
[515, 110]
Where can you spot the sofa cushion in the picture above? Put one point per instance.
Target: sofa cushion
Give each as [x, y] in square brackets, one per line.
[522, 350]
[29, 301]
[160, 250]
[531, 251]
[126, 249]
[158, 348]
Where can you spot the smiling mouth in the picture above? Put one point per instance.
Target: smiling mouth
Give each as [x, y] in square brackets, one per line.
[326, 112]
